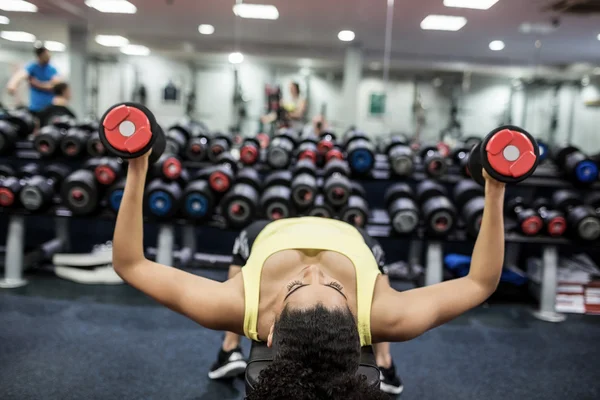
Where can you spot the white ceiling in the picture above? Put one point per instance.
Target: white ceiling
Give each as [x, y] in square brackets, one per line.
[308, 29]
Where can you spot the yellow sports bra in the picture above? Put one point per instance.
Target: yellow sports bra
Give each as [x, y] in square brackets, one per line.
[300, 233]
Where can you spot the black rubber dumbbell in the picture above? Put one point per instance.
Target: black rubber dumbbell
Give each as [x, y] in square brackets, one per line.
[162, 199]
[114, 195]
[582, 221]
[438, 213]
[307, 150]
[178, 135]
[220, 143]
[593, 200]
[10, 186]
[38, 190]
[198, 200]
[8, 136]
[130, 130]
[221, 176]
[327, 141]
[356, 210]
[275, 200]
[508, 154]
[48, 140]
[281, 150]
[74, 143]
[21, 120]
[168, 167]
[304, 184]
[360, 152]
[403, 211]
[469, 199]
[530, 223]
[544, 150]
[250, 151]
[197, 148]
[554, 221]
[433, 161]
[63, 121]
[240, 205]
[320, 208]
[400, 156]
[80, 192]
[460, 158]
[94, 145]
[576, 165]
[107, 170]
[336, 186]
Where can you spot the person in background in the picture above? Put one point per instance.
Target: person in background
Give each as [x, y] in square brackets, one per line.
[59, 105]
[42, 76]
[294, 110]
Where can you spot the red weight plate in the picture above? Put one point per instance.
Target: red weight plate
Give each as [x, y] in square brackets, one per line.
[219, 181]
[499, 144]
[557, 226]
[171, 168]
[308, 155]
[7, 197]
[141, 125]
[248, 154]
[531, 225]
[105, 175]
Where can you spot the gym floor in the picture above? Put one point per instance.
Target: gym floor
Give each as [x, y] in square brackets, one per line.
[62, 340]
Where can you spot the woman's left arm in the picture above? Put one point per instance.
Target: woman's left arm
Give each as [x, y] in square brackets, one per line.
[398, 316]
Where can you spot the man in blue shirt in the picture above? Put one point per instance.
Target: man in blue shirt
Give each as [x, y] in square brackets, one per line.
[42, 77]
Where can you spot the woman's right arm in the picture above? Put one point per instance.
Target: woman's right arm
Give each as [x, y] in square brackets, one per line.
[212, 304]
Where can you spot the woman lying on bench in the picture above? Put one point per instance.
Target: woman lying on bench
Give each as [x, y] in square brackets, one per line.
[312, 289]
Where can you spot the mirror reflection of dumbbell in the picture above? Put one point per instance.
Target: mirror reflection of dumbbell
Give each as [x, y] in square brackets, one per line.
[529, 222]
[275, 200]
[402, 209]
[39, 187]
[508, 154]
[438, 213]
[327, 141]
[356, 210]
[582, 220]
[460, 158]
[240, 205]
[196, 148]
[360, 152]
[336, 184]
[281, 149]
[304, 184]
[469, 198]
[10, 186]
[400, 156]
[577, 166]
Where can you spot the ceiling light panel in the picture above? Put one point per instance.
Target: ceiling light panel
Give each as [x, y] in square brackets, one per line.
[112, 40]
[112, 6]
[443, 23]
[473, 4]
[256, 11]
[17, 36]
[17, 6]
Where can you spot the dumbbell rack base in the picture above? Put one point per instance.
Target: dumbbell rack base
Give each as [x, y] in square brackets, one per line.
[15, 249]
[15, 244]
[546, 311]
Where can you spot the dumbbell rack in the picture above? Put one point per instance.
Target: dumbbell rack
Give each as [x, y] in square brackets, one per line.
[379, 227]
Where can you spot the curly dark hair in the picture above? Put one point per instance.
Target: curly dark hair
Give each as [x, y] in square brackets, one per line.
[317, 354]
